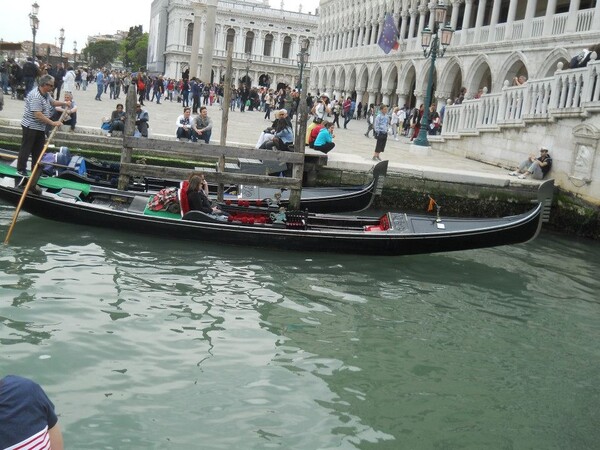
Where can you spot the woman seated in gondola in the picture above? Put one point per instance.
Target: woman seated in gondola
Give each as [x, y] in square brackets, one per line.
[197, 196]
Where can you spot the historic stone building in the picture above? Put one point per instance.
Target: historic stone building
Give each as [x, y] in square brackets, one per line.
[265, 40]
[493, 41]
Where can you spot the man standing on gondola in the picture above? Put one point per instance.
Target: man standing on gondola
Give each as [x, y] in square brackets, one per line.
[38, 110]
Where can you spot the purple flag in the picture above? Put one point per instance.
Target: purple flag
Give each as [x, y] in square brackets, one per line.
[389, 35]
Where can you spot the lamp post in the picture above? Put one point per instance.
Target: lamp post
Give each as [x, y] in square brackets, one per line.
[61, 39]
[248, 64]
[302, 57]
[433, 45]
[74, 53]
[302, 60]
[34, 22]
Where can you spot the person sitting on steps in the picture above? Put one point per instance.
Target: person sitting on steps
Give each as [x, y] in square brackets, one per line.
[141, 120]
[324, 141]
[537, 168]
[117, 120]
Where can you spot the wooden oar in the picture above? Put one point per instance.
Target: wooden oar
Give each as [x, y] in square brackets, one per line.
[31, 178]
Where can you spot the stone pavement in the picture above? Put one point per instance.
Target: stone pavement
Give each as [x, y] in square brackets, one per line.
[352, 151]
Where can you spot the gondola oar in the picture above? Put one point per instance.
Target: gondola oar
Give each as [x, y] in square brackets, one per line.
[34, 169]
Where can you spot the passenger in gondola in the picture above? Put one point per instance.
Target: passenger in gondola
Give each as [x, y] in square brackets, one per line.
[197, 196]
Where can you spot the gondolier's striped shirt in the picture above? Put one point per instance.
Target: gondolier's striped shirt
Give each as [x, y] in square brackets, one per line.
[35, 101]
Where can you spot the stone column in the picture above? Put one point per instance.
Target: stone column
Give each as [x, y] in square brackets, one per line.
[411, 26]
[386, 98]
[404, 14]
[361, 36]
[373, 33]
[402, 98]
[466, 21]
[529, 15]
[494, 21]
[209, 40]
[479, 20]
[422, 13]
[195, 40]
[371, 99]
[359, 97]
[510, 20]
[240, 41]
[548, 19]
[454, 16]
[259, 44]
[596, 22]
[572, 17]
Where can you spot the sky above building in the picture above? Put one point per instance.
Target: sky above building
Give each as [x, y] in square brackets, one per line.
[81, 20]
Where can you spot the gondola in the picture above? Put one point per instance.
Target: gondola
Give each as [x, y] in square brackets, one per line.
[315, 199]
[389, 234]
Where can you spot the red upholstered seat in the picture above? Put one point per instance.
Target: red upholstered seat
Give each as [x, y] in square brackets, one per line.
[183, 200]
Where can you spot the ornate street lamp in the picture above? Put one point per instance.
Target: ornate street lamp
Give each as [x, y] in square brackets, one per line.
[34, 22]
[74, 53]
[433, 45]
[302, 61]
[248, 64]
[61, 39]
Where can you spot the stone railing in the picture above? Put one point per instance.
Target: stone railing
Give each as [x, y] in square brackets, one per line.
[569, 92]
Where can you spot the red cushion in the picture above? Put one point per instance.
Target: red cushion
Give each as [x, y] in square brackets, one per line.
[183, 200]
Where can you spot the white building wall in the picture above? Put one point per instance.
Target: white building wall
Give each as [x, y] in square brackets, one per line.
[241, 16]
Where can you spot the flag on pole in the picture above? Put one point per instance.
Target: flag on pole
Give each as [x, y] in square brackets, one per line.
[389, 35]
[432, 203]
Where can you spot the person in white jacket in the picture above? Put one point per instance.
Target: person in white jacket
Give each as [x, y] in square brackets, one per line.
[184, 125]
[69, 80]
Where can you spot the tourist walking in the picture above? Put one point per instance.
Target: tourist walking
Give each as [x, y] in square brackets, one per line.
[380, 129]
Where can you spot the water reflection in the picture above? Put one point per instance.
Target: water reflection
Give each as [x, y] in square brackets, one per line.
[241, 348]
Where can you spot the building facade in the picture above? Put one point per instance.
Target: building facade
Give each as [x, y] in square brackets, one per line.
[265, 40]
[493, 41]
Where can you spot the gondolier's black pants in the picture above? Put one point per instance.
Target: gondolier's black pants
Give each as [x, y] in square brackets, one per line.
[32, 144]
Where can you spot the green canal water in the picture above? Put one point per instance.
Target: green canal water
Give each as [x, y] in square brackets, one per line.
[172, 345]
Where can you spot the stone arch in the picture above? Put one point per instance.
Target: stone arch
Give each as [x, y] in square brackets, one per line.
[424, 79]
[390, 82]
[363, 78]
[268, 45]
[480, 76]
[315, 76]
[549, 66]
[341, 81]
[406, 78]
[351, 81]
[324, 82]
[189, 35]
[230, 37]
[376, 83]
[451, 79]
[514, 66]
[249, 42]
[331, 83]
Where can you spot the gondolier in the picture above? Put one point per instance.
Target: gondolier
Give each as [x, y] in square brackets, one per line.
[38, 110]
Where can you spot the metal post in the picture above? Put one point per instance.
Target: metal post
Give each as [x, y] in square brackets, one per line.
[34, 22]
[422, 138]
[431, 48]
[61, 39]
